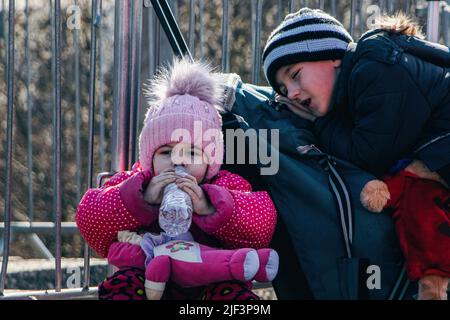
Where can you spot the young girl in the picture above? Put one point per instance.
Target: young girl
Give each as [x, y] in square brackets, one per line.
[182, 127]
[370, 103]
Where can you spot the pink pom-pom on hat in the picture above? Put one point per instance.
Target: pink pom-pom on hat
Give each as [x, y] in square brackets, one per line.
[183, 106]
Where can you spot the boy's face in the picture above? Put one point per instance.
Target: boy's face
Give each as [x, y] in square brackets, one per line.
[309, 84]
[192, 158]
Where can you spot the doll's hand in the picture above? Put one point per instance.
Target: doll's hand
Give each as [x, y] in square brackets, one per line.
[296, 108]
[130, 237]
[155, 189]
[200, 201]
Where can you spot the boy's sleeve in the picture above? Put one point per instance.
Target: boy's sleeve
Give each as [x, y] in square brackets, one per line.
[242, 218]
[118, 205]
[387, 121]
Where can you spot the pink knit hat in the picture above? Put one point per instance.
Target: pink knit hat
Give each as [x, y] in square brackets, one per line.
[183, 107]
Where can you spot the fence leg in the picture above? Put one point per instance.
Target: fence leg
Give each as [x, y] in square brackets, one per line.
[433, 21]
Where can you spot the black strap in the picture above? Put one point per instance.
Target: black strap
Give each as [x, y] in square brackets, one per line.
[170, 26]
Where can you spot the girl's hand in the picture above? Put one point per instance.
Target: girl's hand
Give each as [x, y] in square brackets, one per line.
[200, 201]
[155, 189]
[296, 108]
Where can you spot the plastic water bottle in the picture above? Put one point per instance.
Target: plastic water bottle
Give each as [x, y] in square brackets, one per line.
[175, 212]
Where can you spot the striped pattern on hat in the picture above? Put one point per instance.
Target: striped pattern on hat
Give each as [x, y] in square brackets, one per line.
[306, 35]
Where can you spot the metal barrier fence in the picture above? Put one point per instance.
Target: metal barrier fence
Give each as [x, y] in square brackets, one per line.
[139, 47]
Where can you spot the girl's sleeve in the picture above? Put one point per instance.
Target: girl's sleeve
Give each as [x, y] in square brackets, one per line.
[242, 218]
[123, 254]
[118, 205]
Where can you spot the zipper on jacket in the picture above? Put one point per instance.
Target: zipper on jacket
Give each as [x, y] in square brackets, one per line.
[341, 193]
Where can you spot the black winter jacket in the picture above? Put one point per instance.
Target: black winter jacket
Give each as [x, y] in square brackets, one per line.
[387, 105]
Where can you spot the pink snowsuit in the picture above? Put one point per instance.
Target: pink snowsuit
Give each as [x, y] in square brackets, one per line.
[243, 219]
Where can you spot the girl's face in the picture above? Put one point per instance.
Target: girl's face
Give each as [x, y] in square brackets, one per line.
[192, 158]
[309, 83]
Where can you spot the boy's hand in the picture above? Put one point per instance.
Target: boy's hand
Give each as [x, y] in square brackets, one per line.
[296, 108]
[155, 189]
[200, 201]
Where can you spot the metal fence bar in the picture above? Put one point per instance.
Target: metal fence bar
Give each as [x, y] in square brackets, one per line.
[446, 24]
[135, 78]
[5, 36]
[191, 31]
[37, 244]
[9, 141]
[56, 57]
[174, 6]
[407, 6]
[382, 5]
[352, 17]
[433, 21]
[333, 8]
[291, 6]
[47, 227]
[322, 4]
[280, 12]
[127, 59]
[120, 107]
[76, 67]
[66, 294]
[201, 9]
[92, 86]
[256, 34]
[101, 96]
[2, 21]
[391, 7]
[153, 40]
[158, 42]
[95, 23]
[29, 114]
[225, 36]
[362, 17]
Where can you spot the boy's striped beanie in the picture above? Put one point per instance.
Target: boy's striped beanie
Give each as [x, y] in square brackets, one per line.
[306, 35]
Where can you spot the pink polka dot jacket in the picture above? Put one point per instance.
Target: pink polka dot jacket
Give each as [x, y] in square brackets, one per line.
[242, 218]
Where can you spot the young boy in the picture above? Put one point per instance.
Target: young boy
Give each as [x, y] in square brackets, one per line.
[371, 103]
